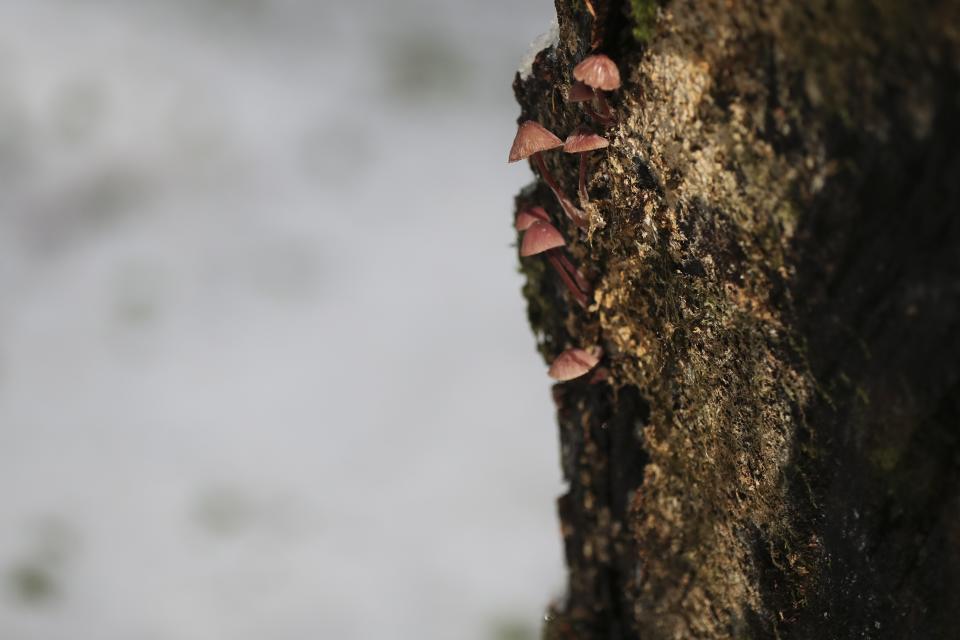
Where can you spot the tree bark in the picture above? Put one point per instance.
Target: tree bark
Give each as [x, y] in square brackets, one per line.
[774, 246]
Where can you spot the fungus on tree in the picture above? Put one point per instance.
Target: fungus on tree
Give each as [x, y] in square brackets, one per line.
[543, 237]
[531, 141]
[580, 93]
[574, 363]
[527, 217]
[582, 142]
[600, 73]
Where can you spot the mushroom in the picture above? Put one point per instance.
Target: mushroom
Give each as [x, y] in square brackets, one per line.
[543, 237]
[581, 93]
[574, 363]
[600, 73]
[582, 142]
[531, 140]
[528, 216]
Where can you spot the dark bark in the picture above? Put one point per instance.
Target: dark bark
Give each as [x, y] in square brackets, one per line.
[775, 249]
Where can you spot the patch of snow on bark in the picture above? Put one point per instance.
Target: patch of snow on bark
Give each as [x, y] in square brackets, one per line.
[548, 39]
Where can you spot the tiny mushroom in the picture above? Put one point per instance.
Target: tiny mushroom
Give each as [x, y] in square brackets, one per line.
[543, 237]
[581, 93]
[574, 363]
[531, 140]
[601, 74]
[528, 216]
[582, 142]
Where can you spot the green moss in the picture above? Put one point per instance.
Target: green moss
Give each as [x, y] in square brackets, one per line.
[885, 458]
[644, 13]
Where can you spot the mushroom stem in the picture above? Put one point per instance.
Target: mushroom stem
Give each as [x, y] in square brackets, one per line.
[584, 196]
[600, 73]
[582, 282]
[581, 142]
[604, 119]
[547, 176]
[557, 264]
[577, 216]
[605, 112]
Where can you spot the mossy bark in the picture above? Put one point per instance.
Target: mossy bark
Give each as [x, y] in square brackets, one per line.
[775, 248]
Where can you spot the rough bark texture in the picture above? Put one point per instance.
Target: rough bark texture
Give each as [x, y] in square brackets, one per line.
[775, 246]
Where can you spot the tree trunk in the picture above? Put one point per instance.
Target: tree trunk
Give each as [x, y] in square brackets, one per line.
[774, 247]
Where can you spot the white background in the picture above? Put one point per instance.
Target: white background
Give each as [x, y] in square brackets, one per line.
[265, 370]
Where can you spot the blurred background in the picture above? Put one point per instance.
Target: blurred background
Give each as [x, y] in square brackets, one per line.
[265, 370]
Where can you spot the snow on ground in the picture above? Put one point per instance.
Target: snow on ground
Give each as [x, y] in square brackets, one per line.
[264, 366]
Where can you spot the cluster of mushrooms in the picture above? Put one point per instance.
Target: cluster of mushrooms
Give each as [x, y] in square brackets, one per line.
[593, 76]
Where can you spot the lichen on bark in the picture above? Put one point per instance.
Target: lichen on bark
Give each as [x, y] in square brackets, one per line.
[773, 243]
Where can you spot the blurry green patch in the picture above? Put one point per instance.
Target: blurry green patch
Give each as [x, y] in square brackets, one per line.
[224, 511]
[421, 67]
[885, 458]
[35, 579]
[110, 193]
[33, 583]
[644, 14]
[136, 311]
[510, 629]
[85, 209]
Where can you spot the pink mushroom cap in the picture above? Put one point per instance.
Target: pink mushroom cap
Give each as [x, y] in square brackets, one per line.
[583, 141]
[532, 138]
[599, 72]
[579, 92]
[573, 363]
[527, 217]
[540, 236]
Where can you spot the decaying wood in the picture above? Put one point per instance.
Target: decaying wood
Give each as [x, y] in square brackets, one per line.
[775, 252]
